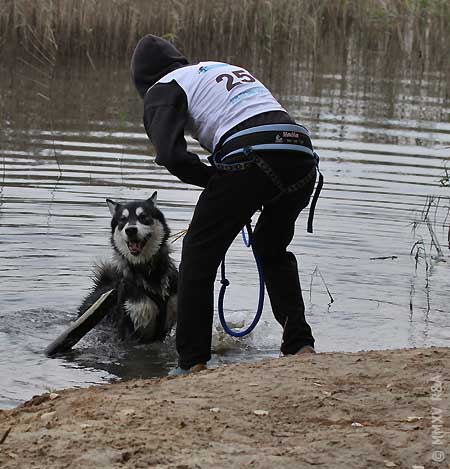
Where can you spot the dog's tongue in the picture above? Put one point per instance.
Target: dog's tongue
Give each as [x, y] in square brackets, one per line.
[135, 248]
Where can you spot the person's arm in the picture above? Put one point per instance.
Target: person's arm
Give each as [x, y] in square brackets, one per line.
[165, 117]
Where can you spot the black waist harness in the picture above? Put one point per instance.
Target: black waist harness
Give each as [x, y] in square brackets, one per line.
[243, 149]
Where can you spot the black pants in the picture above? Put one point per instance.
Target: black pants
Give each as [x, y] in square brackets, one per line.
[224, 207]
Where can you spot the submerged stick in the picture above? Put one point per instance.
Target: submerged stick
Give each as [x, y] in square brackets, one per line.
[383, 258]
[82, 325]
[318, 272]
[412, 291]
[434, 239]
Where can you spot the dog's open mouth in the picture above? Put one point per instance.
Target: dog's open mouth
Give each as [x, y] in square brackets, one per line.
[136, 247]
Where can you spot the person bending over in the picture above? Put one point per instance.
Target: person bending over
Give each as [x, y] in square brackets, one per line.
[260, 159]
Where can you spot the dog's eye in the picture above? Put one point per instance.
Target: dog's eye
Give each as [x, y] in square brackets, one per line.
[123, 218]
[143, 218]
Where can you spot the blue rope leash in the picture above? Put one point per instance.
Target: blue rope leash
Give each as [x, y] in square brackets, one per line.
[225, 282]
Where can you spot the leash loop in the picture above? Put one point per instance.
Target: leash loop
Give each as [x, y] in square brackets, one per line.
[225, 282]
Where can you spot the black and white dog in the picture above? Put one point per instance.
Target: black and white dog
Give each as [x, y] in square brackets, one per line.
[141, 272]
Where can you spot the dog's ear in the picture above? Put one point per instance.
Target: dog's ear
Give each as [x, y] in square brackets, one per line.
[112, 206]
[153, 199]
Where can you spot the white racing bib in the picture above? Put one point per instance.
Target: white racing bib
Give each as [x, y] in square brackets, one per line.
[219, 97]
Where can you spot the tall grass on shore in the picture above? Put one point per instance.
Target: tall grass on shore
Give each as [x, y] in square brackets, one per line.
[258, 33]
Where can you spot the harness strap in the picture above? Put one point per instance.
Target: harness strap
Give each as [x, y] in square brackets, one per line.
[273, 147]
[286, 137]
[240, 151]
[314, 200]
[266, 168]
[269, 128]
[295, 186]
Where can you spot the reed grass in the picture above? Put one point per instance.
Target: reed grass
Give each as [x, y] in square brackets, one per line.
[258, 33]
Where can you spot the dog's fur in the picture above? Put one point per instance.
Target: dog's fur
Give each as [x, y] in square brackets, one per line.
[141, 272]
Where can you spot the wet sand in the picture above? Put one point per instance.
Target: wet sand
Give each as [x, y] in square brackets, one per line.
[332, 410]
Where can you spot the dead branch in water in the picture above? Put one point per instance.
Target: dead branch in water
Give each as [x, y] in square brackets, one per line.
[434, 240]
[445, 181]
[426, 218]
[319, 273]
[419, 252]
[383, 258]
[448, 237]
[412, 291]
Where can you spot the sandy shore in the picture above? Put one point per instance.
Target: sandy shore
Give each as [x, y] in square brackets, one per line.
[331, 410]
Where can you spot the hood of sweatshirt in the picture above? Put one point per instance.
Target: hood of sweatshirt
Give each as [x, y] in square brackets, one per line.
[153, 58]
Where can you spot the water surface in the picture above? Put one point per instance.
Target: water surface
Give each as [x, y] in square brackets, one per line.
[383, 147]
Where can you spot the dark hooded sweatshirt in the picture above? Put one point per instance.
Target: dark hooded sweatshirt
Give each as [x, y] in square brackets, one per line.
[166, 110]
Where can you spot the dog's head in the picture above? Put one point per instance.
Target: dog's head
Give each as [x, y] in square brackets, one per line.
[138, 229]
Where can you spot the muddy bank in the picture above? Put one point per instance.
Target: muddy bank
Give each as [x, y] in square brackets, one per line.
[352, 410]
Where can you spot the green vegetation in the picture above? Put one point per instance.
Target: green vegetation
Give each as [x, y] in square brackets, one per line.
[407, 33]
